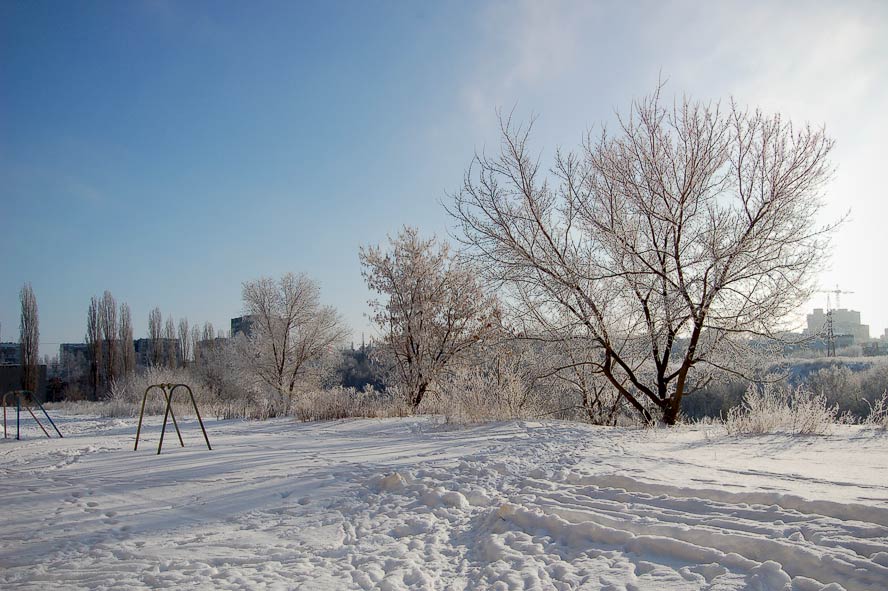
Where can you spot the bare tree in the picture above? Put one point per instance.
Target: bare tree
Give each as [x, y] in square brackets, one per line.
[94, 344]
[169, 343]
[433, 308]
[208, 333]
[109, 329]
[155, 329]
[293, 332]
[127, 350]
[207, 338]
[184, 340]
[29, 338]
[195, 343]
[665, 246]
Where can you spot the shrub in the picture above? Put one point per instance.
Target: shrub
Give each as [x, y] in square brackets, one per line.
[878, 412]
[341, 403]
[779, 408]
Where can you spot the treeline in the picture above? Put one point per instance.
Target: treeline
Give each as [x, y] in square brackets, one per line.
[111, 349]
[109, 342]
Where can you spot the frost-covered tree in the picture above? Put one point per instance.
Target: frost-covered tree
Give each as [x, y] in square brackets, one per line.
[663, 245]
[127, 352]
[108, 326]
[184, 340]
[292, 330]
[195, 343]
[155, 331]
[94, 344]
[432, 308]
[226, 374]
[169, 343]
[29, 338]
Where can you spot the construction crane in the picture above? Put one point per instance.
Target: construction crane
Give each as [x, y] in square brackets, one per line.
[837, 292]
[830, 330]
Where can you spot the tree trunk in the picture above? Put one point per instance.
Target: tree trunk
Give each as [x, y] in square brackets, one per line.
[670, 413]
[416, 398]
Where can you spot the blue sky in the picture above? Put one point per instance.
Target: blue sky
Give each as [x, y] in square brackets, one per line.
[169, 151]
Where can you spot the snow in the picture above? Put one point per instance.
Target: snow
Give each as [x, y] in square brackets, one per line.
[416, 504]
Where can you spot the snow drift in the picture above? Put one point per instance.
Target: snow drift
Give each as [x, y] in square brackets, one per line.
[411, 504]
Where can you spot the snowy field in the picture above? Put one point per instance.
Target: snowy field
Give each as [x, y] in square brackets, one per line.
[413, 504]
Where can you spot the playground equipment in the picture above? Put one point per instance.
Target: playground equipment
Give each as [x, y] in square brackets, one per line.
[22, 397]
[168, 390]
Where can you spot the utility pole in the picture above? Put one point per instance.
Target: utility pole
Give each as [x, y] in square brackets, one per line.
[830, 328]
[830, 334]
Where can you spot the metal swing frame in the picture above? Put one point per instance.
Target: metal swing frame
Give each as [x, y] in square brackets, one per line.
[21, 399]
[168, 390]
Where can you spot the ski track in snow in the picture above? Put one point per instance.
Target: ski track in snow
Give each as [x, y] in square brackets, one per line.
[411, 504]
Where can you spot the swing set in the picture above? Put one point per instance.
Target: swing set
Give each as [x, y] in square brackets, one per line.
[167, 390]
[22, 398]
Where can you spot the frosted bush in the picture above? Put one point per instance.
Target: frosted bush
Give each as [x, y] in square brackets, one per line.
[477, 394]
[878, 412]
[125, 398]
[104, 408]
[777, 408]
[340, 403]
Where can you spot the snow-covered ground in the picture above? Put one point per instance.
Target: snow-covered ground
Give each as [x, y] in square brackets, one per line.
[413, 504]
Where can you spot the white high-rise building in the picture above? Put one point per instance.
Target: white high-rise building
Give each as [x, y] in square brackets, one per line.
[845, 322]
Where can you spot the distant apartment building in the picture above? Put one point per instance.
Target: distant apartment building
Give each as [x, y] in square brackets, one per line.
[846, 323]
[10, 354]
[205, 347]
[242, 325]
[877, 346]
[12, 371]
[73, 359]
[70, 352]
[145, 352]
